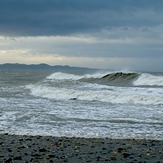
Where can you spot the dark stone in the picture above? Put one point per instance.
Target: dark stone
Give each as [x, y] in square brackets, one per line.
[62, 157]
[42, 150]
[52, 156]
[125, 155]
[36, 155]
[8, 161]
[21, 147]
[18, 158]
[9, 150]
[73, 99]
[113, 158]
[98, 158]
[120, 150]
[65, 160]
[57, 144]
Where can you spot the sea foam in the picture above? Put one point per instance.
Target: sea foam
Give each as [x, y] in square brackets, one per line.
[64, 86]
[67, 76]
[149, 80]
[117, 95]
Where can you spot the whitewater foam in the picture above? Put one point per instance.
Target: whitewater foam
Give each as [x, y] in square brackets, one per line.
[149, 80]
[66, 76]
[117, 95]
[63, 76]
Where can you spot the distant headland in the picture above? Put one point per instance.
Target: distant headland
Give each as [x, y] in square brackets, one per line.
[42, 66]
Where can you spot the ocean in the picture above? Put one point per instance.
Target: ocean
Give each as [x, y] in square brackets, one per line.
[113, 104]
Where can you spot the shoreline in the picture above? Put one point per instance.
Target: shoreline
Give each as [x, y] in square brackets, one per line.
[25, 148]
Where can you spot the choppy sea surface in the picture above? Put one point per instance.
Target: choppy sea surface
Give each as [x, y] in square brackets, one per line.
[101, 104]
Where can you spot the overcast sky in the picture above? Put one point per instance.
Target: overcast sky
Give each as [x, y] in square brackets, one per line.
[116, 34]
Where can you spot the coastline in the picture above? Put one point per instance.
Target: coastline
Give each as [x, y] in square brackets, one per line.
[23, 148]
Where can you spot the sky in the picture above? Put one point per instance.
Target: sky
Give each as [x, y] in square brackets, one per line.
[113, 34]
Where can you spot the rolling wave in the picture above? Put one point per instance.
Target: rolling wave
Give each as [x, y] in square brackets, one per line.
[112, 78]
[102, 87]
[115, 79]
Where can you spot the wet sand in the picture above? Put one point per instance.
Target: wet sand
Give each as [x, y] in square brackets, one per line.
[16, 148]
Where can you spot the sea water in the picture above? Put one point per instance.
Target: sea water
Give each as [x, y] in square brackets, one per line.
[99, 104]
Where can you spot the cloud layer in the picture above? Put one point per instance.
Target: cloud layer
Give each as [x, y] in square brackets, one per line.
[60, 17]
[108, 33]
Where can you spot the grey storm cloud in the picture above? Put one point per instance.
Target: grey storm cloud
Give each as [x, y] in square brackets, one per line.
[114, 33]
[65, 17]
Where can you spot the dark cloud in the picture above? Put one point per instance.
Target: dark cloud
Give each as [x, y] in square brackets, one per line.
[64, 17]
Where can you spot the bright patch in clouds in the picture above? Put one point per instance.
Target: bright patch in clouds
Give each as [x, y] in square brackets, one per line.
[25, 56]
[114, 48]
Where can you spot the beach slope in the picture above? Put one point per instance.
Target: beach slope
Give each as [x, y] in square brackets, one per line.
[17, 148]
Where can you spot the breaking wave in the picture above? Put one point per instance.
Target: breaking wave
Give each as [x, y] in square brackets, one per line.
[116, 88]
[149, 80]
[117, 79]
[113, 78]
[66, 76]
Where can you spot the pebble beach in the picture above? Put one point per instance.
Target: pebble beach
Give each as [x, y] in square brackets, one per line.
[22, 148]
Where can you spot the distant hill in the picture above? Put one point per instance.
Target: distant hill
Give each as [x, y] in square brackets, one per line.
[10, 66]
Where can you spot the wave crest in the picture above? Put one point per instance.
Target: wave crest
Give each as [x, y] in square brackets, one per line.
[149, 80]
[111, 78]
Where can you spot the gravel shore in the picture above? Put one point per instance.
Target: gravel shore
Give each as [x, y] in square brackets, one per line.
[42, 149]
